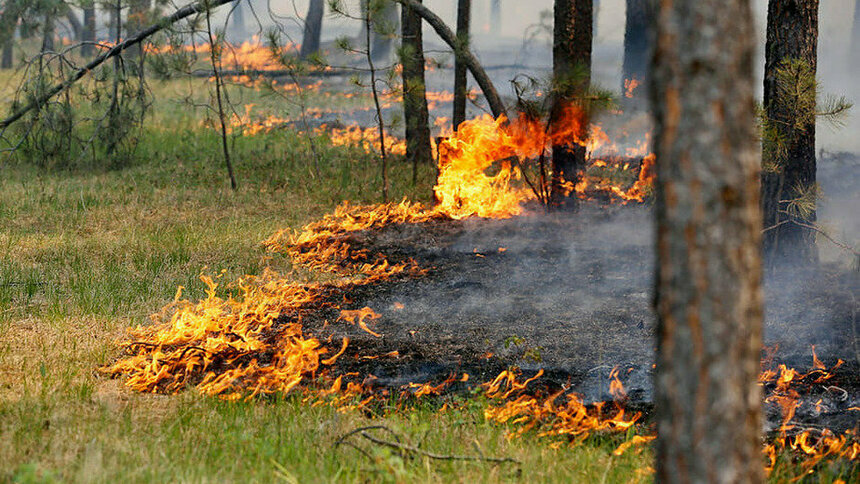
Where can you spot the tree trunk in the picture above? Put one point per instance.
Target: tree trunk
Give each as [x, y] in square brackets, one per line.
[495, 16]
[464, 15]
[571, 69]
[89, 32]
[48, 31]
[415, 114]
[8, 55]
[237, 22]
[75, 24]
[637, 47]
[136, 20]
[853, 49]
[708, 286]
[792, 34]
[313, 29]
[497, 107]
[384, 27]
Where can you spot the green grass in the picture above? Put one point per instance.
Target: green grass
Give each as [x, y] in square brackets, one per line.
[87, 253]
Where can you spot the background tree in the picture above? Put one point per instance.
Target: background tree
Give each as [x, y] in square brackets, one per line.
[415, 113]
[49, 29]
[853, 50]
[571, 70]
[237, 22]
[495, 16]
[464, 15]
[9, 17]
[313, 29]
[88, 34]
[708, 285]
[639, 19]
[788, 180]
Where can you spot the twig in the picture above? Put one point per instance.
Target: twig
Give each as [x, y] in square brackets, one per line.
[117, 49]
[379, 118]
[216, 62]
[410, 449]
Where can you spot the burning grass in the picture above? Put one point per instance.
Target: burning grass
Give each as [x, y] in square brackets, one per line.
[254, 343]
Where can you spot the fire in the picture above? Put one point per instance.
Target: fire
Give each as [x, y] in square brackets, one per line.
[361, 315]
[813, 445]
[553, 415]
[630, 85]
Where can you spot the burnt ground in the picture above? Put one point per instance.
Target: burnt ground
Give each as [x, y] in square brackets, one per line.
[569, 294]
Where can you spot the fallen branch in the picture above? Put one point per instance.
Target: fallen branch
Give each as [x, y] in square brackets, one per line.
[411, 449]
[469, 59]
[117, 49]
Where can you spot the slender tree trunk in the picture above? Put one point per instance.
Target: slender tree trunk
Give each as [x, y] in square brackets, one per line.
[7, 39]
[313, 28]
[75, 24]
[637, 47]
[137, 19]
[49, 30]
[384, 25]
[464, 14]
[571, 59]
[708, 286]
[380, 121]
[495, 17]
[8, 56]
[853, 49]
[89, 31]
[494, 102]
[415, 114]
[237, 22]
[792, 34]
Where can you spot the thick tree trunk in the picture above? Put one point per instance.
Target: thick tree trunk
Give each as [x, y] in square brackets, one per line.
[571, 59]
[89, 32]
[313, 28]
[792, 34]
[415, 114]
[464, 14]
[708, 286]
[637, 47]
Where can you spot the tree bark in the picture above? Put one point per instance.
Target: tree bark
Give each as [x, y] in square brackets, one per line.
[464, 14]
[313, 29]
[792, 34]
[497, 107]
[571, 66]
[637, 48]
[415, 113]
[708, 285]
[88, 35]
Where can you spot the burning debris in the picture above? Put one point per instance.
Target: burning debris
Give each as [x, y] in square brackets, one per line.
[396, 318]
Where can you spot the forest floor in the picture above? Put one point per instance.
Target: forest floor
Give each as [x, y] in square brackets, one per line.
[87, 252]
